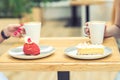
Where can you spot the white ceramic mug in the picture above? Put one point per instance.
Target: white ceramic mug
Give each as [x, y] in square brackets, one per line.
[97, 29]
[33, 31]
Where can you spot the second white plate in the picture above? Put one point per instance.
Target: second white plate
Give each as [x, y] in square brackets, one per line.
[72, 52]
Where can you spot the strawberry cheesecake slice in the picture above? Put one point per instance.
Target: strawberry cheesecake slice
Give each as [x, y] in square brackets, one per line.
[30, 48]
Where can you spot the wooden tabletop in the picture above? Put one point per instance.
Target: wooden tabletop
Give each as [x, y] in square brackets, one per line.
[59, 61]
[88, 2]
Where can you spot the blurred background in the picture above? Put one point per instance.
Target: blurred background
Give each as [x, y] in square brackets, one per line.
[59, 18]
[68, 15]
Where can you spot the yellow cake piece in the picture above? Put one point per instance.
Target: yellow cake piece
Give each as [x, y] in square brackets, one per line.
[85, 48]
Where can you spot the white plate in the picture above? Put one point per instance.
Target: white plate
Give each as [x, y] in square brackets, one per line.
[72, 52]
[44, 52]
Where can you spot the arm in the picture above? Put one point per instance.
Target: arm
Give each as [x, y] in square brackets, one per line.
[1, 38]
[114, 30]
[117, 13]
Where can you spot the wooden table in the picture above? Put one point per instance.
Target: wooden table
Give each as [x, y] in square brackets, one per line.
[88, 2]
[60, 62]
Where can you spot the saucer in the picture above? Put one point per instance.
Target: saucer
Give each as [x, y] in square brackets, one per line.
[72, 52]
[44, 52]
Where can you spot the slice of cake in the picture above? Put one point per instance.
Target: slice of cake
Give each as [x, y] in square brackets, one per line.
[85, 48]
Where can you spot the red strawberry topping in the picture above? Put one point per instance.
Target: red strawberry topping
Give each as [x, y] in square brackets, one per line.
[31, 48]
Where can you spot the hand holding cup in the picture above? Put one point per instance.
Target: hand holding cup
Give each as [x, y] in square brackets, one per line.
[96, 30]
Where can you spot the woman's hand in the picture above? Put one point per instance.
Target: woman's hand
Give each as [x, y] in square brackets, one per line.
[87, 30]
[14, 30]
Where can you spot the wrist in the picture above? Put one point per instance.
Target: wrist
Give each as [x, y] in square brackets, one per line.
[109, 31]
[4, 34]
[118, 26]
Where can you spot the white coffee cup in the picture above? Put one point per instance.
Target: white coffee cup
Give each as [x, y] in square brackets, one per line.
[33, 31]
[97, 29]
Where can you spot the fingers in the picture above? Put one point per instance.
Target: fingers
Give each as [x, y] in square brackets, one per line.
[13, 27]
[86, 29]
[19, 31]
[17, 34]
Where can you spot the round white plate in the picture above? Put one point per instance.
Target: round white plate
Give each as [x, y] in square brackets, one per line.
[72, 52]
[44, 52]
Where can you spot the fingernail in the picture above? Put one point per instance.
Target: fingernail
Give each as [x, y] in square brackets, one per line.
[19, 30]
[15, 33]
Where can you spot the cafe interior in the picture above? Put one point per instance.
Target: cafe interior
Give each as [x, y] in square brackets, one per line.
[59, 18]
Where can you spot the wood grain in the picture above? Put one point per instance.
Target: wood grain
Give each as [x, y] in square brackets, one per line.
[60, 62]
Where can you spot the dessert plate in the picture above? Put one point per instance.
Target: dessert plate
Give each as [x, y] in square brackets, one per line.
[18, 52]
[72, 52]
